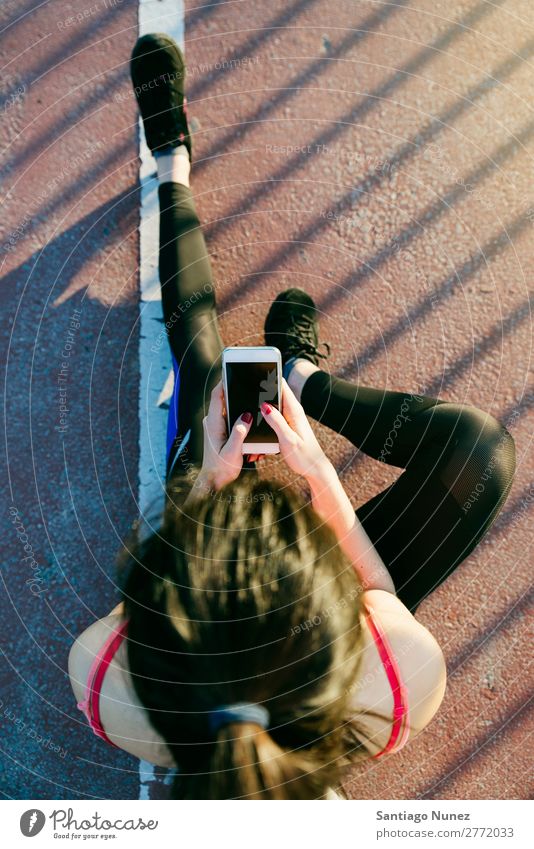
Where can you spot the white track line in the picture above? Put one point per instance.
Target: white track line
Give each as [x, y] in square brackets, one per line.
[155, 382]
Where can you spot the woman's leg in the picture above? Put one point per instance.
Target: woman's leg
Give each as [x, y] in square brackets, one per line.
[189, 311]
[459, 464]
[184, 268]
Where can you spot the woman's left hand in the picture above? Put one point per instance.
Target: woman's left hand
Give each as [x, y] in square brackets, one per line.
[223, 455]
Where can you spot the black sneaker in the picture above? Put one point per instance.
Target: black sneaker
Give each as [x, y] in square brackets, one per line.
[292, 327]
[157, 68]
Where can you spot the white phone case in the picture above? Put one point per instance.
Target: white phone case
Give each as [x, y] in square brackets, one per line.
[254, 354]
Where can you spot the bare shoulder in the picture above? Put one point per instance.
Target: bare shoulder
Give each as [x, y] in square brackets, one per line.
[85, 648]
[122, 716]
[394, 640]
[384, 600]
[389, 604]
[418, 653]
[399, 621]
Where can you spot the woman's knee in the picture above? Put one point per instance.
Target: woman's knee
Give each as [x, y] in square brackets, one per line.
[482, 462]
[489, 440]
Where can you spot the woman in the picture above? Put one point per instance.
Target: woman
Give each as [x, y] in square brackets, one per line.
[266, 640]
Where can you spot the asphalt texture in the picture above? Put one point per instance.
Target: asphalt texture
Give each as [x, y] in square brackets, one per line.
[378, 155]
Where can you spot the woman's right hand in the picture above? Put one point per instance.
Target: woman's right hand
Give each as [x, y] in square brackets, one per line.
[304, 455]
[298, 444]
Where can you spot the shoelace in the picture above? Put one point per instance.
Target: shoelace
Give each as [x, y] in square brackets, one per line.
[299, 347]
[300, 328]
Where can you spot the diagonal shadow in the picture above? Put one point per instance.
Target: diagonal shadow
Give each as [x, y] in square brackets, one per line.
[39, 142]
[407, 151]
[122, 76]
[354, 37]
[350, 461]
[16, 20]
[451, 284]
[356, 115]
[512, 719]
[201, 13]
[98, 174]
[52, 60]
[506, 517]
[526, 403]
[491, 628]
[198, 89]
[492, 248]
[107, 223]
[499, 330]
[431, 214]
[515, 609]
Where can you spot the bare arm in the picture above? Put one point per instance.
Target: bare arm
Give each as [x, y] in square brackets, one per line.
[304, 455]
[332, 504]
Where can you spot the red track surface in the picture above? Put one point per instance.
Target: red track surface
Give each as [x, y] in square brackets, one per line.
[378, 155]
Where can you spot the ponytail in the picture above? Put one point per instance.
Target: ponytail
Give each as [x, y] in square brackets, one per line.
[246, 763]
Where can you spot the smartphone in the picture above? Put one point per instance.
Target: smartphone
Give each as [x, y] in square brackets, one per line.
[251, 376]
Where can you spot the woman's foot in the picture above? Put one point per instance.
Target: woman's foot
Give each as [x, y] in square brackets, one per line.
[157, 69]
[292, 327]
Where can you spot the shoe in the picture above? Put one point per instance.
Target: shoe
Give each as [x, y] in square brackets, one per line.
[292, 327]
[157, 68]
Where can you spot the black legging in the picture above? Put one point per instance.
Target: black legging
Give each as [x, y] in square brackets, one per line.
[459, 462]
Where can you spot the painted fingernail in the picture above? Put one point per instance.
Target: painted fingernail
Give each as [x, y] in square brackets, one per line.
[247, 418]
[266, 408]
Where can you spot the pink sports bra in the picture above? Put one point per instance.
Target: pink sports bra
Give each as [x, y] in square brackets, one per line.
[91, 704]
[400, 725]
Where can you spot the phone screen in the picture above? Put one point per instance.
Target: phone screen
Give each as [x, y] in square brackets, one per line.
[248, 386]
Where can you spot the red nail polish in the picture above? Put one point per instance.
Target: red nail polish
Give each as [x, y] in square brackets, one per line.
[247, 418]
[266, 408]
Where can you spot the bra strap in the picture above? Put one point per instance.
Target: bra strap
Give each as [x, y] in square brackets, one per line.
[400, 728]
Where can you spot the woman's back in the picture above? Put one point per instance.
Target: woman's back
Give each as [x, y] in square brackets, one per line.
[411, 655]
